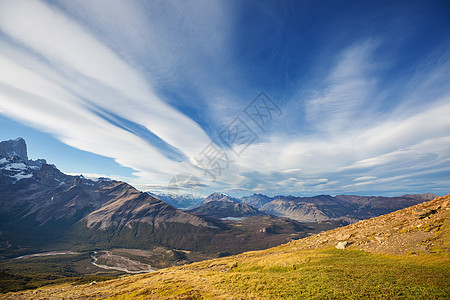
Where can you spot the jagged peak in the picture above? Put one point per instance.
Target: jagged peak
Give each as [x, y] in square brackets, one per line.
[16, 147]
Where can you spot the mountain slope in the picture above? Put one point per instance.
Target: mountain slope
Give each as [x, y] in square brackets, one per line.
[320, 272]
[306, 212]
[256, 200]
[128, 205]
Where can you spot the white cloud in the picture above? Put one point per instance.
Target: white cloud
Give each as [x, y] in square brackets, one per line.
[119, 88]
[348, 87]
[364, 178]
[62, 70]
[46, 106]
[67, 62]
[361, 148]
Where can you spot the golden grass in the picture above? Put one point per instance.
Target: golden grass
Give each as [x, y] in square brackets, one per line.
[281, 273]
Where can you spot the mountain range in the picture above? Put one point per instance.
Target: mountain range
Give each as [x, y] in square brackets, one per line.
[41, 205]
[401, 255]
[347, 208]
[350, 208]
[42, 208]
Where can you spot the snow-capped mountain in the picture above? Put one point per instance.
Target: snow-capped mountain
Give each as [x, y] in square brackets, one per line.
[36, 198]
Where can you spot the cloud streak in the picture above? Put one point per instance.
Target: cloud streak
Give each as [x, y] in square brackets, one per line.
[151, 84]
[84, 75]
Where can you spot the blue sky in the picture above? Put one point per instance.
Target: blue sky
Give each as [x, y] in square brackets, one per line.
[356, 94]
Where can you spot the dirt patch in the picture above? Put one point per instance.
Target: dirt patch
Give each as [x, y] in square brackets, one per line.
[107, 260]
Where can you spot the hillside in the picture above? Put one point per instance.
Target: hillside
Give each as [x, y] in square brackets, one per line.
[402, 255]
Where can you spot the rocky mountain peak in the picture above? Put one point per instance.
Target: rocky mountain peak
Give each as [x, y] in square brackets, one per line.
[11, 148]
[219, 197]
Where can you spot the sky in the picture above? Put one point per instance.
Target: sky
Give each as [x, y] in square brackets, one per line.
[242, 97]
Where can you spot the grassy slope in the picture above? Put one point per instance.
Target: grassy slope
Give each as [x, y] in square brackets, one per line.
[291, 271]
[281, 273]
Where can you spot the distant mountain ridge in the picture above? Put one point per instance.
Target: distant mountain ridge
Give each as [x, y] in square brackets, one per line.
[182, 202]
[319, 208]
[219, 197]
[224, 206]
[256, 200]
[348, 208]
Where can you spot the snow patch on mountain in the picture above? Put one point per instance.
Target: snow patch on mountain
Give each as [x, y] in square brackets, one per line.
[15, 166]
[21, 175]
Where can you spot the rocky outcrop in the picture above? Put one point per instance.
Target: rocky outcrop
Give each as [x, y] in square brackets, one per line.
[12, 148]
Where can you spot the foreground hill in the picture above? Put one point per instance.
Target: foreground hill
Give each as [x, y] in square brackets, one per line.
[310, 268]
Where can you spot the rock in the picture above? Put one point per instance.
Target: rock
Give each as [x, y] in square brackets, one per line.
[342, 245]
[343, 236]
[12, 148]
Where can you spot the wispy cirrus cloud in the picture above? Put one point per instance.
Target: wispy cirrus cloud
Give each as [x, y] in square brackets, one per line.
[347, 89]
[64, 75]
[357, 148]
[150, 84]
